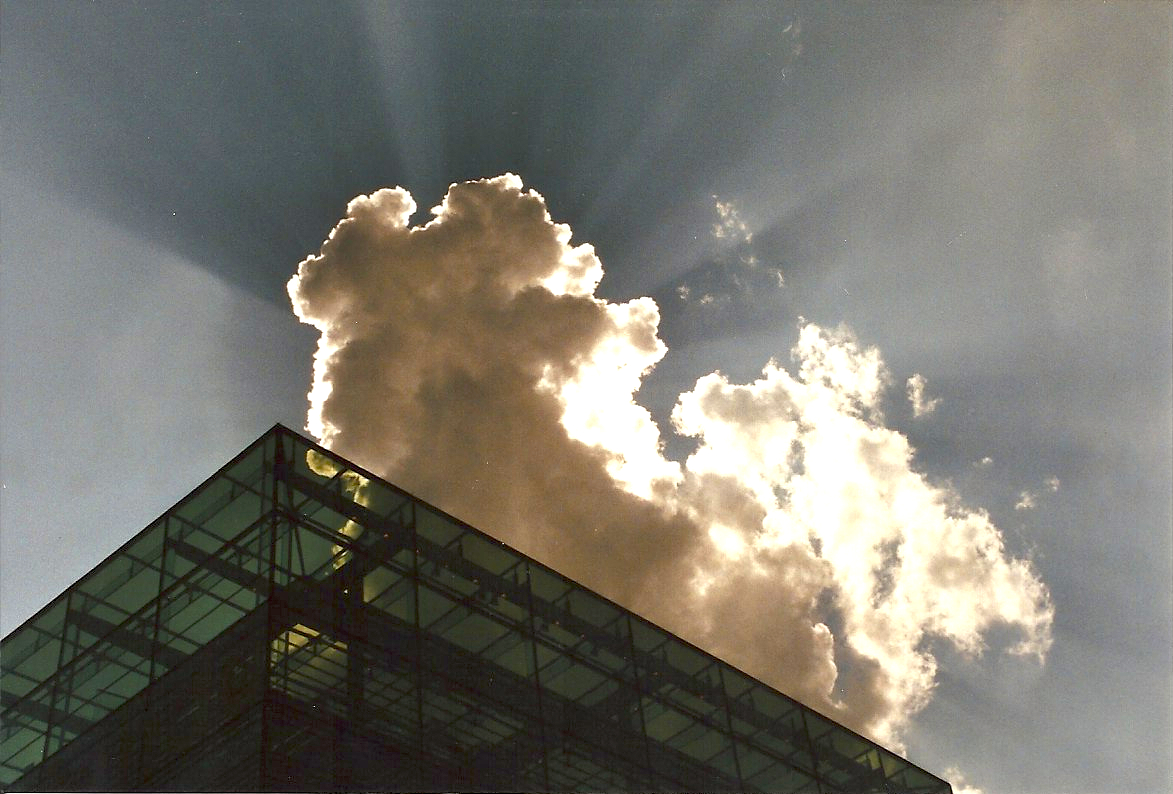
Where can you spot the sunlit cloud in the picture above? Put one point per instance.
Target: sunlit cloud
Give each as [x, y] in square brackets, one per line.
[1029, 500]
[921, 405]
[959, 783]
[729, 224]
[470, 361]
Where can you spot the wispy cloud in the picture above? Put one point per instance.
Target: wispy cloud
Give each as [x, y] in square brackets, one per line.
[1027, 500]
[727, 288]
[921, 405]
[729, 224]
[959, 783]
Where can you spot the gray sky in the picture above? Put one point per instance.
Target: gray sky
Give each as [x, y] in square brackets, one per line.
[980, 191]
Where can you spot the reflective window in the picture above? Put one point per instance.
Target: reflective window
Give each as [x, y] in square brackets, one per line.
[392, 646]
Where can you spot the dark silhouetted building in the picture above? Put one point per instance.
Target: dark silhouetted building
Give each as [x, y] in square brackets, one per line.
[295, 623]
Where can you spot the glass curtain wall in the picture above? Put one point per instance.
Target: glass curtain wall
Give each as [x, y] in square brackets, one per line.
[400, 648]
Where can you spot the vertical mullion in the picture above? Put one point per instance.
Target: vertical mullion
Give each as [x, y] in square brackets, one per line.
[57, 676]
[159, 596]
[639, 691]
[533, 635]
[814, 756]
[142, 743]
[419, 645]
[729, 725]
[277, 473]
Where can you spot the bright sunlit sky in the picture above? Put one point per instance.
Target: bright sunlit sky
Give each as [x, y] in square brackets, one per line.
[980, 191]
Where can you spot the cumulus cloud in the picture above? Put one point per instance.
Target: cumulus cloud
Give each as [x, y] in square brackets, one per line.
[921, 406]
[470, 361]
[1053, 484]
[984, 463]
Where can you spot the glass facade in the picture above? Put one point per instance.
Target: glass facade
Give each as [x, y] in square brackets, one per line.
[296, 623]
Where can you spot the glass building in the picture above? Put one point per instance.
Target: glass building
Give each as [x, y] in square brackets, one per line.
[295, 623]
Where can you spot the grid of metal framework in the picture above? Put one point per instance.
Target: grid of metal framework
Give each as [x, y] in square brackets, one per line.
[296, 623]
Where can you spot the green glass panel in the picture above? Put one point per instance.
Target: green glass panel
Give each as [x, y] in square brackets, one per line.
[433, 606]
[20, 751]
[136, 591]
[741, 728]
[511, 612]
[688, 701]
[772, 704]
[618, 665]
[107, 686]
[725, 760]
[30, 653]
[196, 543]
[782, 778]
[235, 516]
[448, 580]
[736, 682]
[249, 468]
[605, 689]
[842, 755]
[398, 601]
[312, 554]
[127, 581]
[648, 637]
[545, 654]
[324, 517]
[435, 527]
[546, 586]
[752, 761]
[517, 657]
[200, 607]
[697, 739]
[176, 566]
[101, 681]
[388, 502]
[378, 581]
[684, 658]
[592, 608]
[221, 508]
[791, 746]
[573, 682]
[889, 763]
[216, 620]
[487, 554]
[912, 778]
[309, 462]
[662, 722]
[559, 636]
[474, 632]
